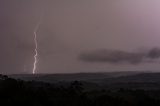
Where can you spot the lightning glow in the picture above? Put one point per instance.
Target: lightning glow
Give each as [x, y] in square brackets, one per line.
[36, 44]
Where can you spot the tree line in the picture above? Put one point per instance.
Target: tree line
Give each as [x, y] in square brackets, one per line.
[32, 93]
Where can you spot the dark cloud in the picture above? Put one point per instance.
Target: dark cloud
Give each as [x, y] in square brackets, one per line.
[154, 53]
[72, 26]
[117, 56]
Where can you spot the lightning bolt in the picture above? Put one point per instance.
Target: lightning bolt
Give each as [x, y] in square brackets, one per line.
[36, 44]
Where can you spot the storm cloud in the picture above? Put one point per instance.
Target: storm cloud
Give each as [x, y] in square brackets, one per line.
[117, 56]
[154, 53]
[73, 28]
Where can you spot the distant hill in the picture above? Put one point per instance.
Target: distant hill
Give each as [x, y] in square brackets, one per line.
[111, 80]
[91, 77]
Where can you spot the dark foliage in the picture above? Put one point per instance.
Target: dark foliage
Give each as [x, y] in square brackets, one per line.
[32, 93]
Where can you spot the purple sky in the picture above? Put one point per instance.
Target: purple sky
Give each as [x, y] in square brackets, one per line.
[71, 28]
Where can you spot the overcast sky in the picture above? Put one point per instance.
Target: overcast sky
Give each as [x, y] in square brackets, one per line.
[80, 35]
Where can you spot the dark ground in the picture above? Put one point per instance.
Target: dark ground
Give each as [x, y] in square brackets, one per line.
[103, 89]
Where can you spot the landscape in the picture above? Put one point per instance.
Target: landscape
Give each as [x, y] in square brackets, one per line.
[110, 80]
[79, 52]
[82, 89]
